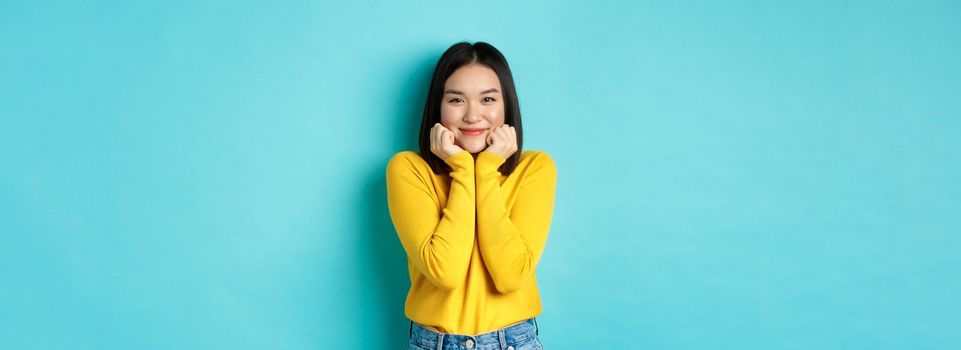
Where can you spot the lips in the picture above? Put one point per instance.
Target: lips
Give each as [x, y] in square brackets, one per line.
[472, 132]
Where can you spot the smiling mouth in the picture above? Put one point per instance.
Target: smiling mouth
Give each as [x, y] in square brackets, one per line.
[473, 132]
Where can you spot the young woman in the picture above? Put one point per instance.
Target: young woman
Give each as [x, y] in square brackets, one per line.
[472, 210]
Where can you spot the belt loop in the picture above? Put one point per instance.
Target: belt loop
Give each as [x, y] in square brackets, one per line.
[502, 338]
[440, 341]
[537, 330]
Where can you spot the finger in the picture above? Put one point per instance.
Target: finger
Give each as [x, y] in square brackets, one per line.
[440, 134]
[502, 132]
[498, 133]
[435, 137]
[444, 139]
[505, 136]
[447, 136]
[493, 135]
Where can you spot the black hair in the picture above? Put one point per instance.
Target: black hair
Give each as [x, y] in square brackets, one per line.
[456, 56]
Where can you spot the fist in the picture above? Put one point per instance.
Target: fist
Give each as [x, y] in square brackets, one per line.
[502, 140]
[442, 142]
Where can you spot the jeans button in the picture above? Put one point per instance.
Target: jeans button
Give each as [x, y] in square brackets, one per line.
[510, 348]
[469, 344]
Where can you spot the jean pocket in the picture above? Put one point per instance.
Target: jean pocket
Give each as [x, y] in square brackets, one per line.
[412, 346]
[532, 344]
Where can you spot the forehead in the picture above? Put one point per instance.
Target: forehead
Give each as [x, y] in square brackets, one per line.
[473, 78]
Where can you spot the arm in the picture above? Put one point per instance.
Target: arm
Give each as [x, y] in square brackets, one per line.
[511, 243]
[439, 244]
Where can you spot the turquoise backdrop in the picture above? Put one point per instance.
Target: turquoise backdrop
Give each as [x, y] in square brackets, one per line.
[732, 175]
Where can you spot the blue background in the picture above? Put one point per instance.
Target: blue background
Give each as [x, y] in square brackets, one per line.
[737, 175]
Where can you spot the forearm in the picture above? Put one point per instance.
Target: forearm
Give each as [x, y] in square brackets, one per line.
[439, 242]
[511, 242]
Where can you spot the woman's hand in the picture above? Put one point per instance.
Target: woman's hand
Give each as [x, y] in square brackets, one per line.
[502, 140]
[442, 142]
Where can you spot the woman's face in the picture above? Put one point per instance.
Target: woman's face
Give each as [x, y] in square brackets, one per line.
[472, 105]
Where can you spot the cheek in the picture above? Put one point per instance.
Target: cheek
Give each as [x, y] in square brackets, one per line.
[446, 122]
[449, 126]
[496, 119]
[448, 117]
[495, 116]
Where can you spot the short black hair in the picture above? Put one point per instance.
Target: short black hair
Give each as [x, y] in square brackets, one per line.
[456, 56]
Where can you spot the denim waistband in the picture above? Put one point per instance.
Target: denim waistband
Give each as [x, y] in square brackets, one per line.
[520, 333]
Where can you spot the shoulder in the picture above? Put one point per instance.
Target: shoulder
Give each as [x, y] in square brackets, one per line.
[407, 159]
[538, 162]
[407, 156]
[407, 171]
[537, 159]
[406, 162]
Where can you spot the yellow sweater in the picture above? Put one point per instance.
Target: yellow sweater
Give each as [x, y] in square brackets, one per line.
[473, 238]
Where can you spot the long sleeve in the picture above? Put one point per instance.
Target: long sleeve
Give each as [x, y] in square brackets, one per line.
[511, 243]
[438, 243]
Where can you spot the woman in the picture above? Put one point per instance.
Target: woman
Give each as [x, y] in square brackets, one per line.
[472, 210]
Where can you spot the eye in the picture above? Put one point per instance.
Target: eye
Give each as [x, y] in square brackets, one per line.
[489, 99]
[455, 100]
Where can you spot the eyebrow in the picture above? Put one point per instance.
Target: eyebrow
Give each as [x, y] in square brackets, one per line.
[458, 92]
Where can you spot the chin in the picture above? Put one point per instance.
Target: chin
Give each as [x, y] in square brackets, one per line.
[474, 148]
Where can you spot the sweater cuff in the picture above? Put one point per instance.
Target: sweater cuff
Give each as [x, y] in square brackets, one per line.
[461, 160]
[490, 160]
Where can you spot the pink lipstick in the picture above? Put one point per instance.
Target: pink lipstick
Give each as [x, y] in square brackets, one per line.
[472, 132]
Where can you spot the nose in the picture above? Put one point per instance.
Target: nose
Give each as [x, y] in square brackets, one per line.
[473, 115]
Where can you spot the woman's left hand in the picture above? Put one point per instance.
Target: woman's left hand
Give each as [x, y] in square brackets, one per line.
[502, 140]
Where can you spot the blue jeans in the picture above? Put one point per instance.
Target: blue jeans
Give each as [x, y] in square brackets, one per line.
[521, 336]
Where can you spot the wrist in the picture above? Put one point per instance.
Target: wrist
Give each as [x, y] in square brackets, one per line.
[490, 160]
[460, 159]
[495, 150]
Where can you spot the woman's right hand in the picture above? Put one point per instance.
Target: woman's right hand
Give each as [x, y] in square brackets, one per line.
[442, 142]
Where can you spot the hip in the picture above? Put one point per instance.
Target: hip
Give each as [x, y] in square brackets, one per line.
[522, 335]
